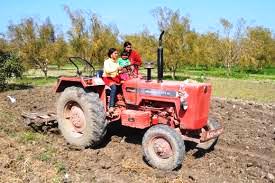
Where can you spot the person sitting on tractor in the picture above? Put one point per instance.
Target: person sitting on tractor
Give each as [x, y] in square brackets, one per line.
[111, 75]
[134, 57]
[123, 62]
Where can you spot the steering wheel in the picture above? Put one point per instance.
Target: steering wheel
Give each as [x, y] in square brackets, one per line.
[85, 62]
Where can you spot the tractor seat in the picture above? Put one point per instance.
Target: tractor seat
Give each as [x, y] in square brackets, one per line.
[99, 73]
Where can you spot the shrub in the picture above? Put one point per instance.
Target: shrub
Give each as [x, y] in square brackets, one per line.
[10, 66]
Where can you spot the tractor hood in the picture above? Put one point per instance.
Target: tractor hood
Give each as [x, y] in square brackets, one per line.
[191, 99]
[166, 89]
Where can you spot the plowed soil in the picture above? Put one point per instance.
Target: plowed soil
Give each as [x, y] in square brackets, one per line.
[244, 153]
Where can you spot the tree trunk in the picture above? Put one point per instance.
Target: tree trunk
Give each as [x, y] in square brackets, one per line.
[228, 69]
[173, 74]
[45, 69]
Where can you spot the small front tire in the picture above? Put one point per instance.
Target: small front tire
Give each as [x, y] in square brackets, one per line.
[163, 147]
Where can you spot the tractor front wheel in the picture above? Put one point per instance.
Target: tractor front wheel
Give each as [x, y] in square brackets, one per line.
[163, 147]
[81, 117]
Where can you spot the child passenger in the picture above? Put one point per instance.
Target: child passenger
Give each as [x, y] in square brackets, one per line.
[122, 62]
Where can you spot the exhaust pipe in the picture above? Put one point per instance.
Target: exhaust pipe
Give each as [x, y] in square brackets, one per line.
[160, 59]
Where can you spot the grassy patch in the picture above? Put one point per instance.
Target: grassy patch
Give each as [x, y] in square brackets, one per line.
[260, 91]
[60, 167]
[35, 81]
[29, 137]
[267, 73]
[47, 155]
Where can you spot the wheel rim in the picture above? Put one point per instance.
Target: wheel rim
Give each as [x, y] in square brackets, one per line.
[75, 117]
[162, 148]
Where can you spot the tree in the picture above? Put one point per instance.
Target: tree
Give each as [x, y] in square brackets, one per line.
[145, 44]
[226, 45]
[78, 34]
[178, 41]
[231, 46]
[102, 38]
[60, 51]
[205, 52]
[34, 43]
[3, 43]
[258, 49]
[10, 66]
[93, 39]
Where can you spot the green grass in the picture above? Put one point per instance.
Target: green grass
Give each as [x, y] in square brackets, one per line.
[252, 90]
[35, 81]
[29, 137]
[48, 154]
[60, 167]
[267, 73]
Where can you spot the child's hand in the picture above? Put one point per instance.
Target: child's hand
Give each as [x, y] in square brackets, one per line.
[132, 68]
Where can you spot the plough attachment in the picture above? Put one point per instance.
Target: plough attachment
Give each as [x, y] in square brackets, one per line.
[41, 122]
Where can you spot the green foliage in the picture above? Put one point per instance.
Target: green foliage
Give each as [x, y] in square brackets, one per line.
[145, 44]
[259, 49]
[205, 51]
[178, 39]
[37, 45]
[238, 49]
[10, 66]
[90, 40]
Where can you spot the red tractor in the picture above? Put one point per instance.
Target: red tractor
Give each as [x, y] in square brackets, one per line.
[171, 112]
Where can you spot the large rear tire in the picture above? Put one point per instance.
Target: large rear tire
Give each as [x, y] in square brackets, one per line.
[163, 147]
[81, 117]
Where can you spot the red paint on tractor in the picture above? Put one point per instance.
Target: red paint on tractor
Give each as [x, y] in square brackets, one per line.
[197, 98]
[136, 119]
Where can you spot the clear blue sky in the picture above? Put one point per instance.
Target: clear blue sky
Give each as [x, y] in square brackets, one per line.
[132, 16]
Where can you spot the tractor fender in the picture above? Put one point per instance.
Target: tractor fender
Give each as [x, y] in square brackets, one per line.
[64, 82]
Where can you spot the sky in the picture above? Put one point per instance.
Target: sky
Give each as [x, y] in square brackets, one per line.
[133, 16]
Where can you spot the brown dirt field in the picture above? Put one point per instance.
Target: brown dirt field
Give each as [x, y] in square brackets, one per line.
[244, 153]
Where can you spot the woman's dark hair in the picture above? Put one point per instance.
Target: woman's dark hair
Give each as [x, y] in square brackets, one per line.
[111, 51]
[127, 43]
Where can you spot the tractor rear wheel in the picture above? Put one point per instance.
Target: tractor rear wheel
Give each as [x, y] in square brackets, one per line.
[163, 147]
[81, 117]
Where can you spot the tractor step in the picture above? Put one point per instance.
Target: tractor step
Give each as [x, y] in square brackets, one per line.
[40, 122]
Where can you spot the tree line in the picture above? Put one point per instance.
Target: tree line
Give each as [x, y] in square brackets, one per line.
[33, 44]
